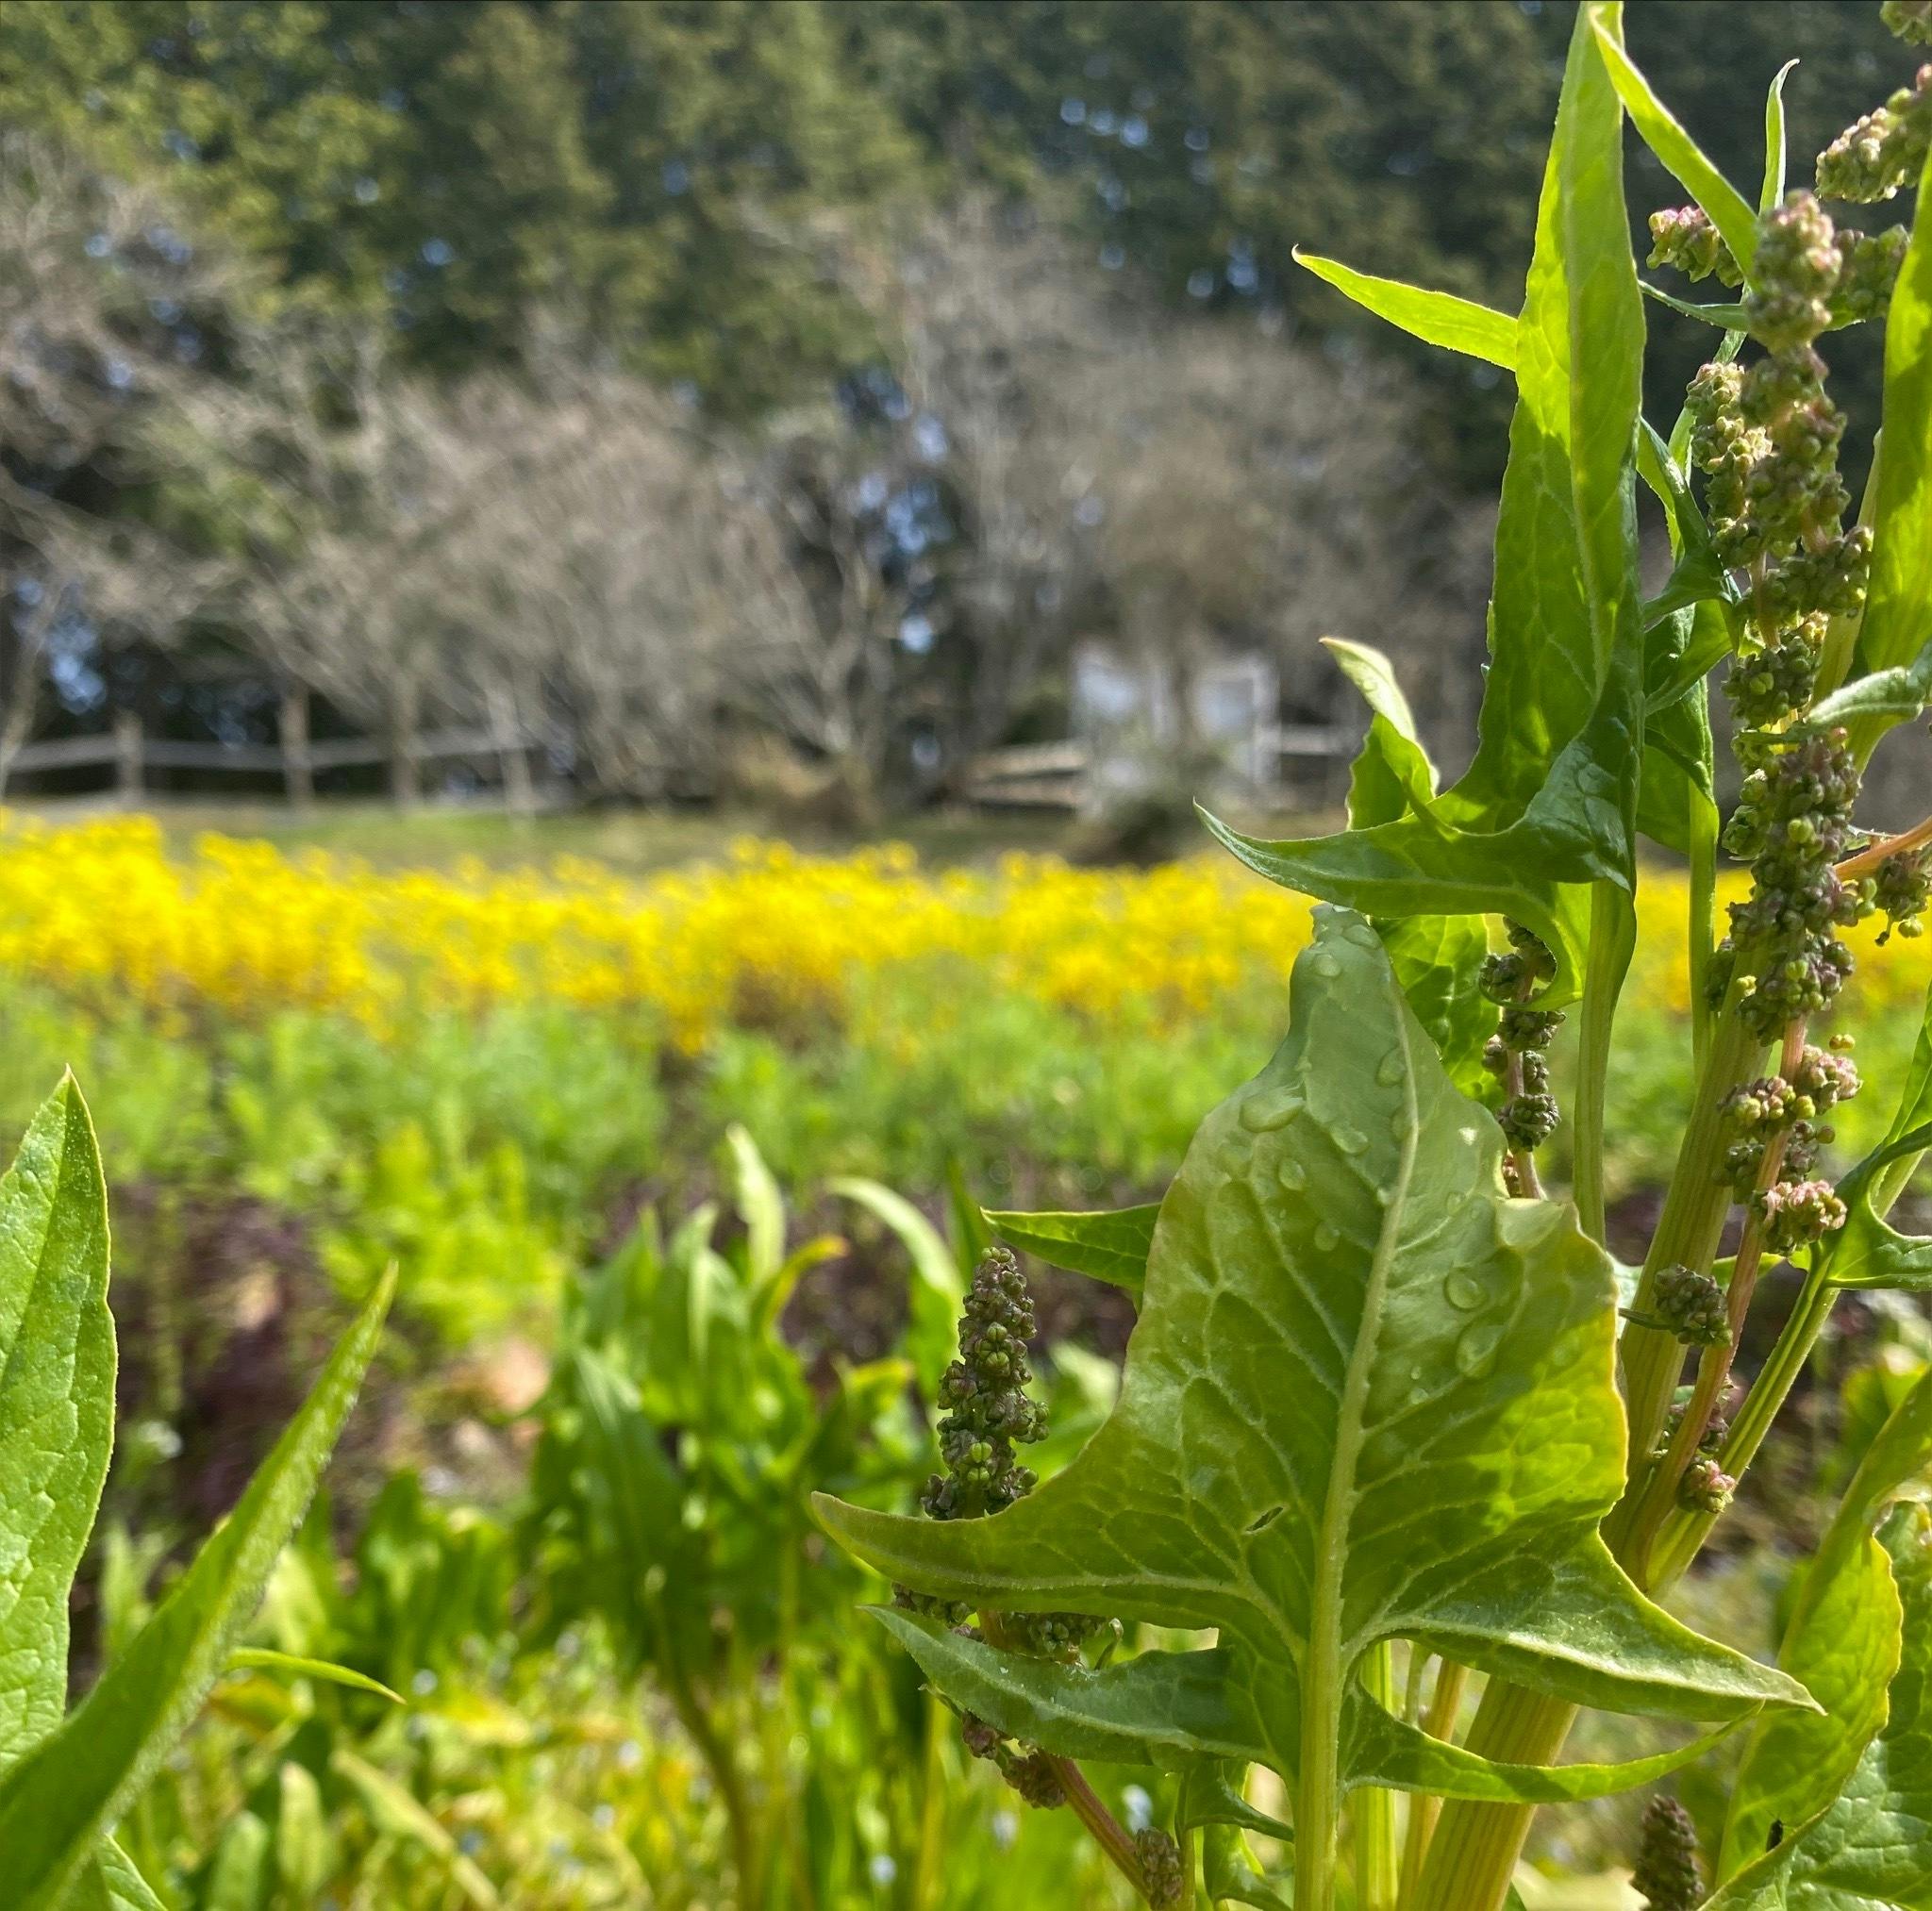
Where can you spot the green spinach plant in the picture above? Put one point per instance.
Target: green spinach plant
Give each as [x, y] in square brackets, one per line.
[1390, 1404]
[68, 1779]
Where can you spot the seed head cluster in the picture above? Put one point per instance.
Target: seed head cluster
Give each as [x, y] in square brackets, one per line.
[988, 1413]
[1692, 1306]
[1667, 1875]
[1886, 149]
[1517, 1053]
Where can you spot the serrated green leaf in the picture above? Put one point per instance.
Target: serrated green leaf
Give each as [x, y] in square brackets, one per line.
[57, 1802]
[1109, 1246]
[1772, 190]
[1436, 318]
[1369, 1396]
[1682, 158]
[289, 1666]
[1843, 1642]
[1548, 806]
[1898, 601]
[939, 1288]
[57, 1402]
[1872, 1844]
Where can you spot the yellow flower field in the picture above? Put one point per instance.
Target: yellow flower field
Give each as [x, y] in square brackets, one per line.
[102, 911]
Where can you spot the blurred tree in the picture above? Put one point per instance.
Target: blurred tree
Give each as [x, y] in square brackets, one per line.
[107, 315]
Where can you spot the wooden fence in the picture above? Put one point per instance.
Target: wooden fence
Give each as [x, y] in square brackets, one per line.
[1061, 775]
[296, 759]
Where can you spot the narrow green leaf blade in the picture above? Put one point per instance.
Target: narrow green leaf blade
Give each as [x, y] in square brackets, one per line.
[1549, 804]
[1457, 325]
[56, 1803]
[1772, 190]
[1897, 628]
[1110, 1246]
[1683, 158]
[57, 1402]
[760, 1205]
[939, 1288]
[290, 1666]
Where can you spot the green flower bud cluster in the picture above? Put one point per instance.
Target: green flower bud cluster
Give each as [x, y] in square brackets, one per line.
[1868, 270]
[1795, 273]
[1768, 683]
[1683, 237]
[1717, 1429]
[989, 1413]
[989, 1410]
[1705, 1487]
[1792, 823]
[1877, 154]
[1159, 1859]
[1692, 1306]
[1903, 890]
[1029, 1772]
[1912, 20]
[1796, 1213]
[1517, 1053]
[1667, 1875]
[1759, 1112]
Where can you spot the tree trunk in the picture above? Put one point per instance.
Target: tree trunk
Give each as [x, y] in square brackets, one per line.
[298, 771]
[13, 734]
[512, 752]
[127, 756]
[405, 771]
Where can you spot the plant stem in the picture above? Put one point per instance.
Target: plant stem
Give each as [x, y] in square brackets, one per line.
[1687, 1231]
[1612, 940]
[1446, 1707]
[1474, 1852]
[1109, 1833]
[1868, 859]
[932, 1811]
[1714, 1369]
[1373, 1808]
[1701, 928]
[726, 1776]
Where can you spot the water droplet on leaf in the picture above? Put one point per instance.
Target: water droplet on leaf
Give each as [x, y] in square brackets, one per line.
[1475, 1348]
[1351, 1140]
[1464, 1290]
[1270, 1108]
[1325, 965]
[1327, 1238]
[1393, 1067]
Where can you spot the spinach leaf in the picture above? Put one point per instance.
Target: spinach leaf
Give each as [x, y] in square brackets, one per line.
[1369, 1396]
